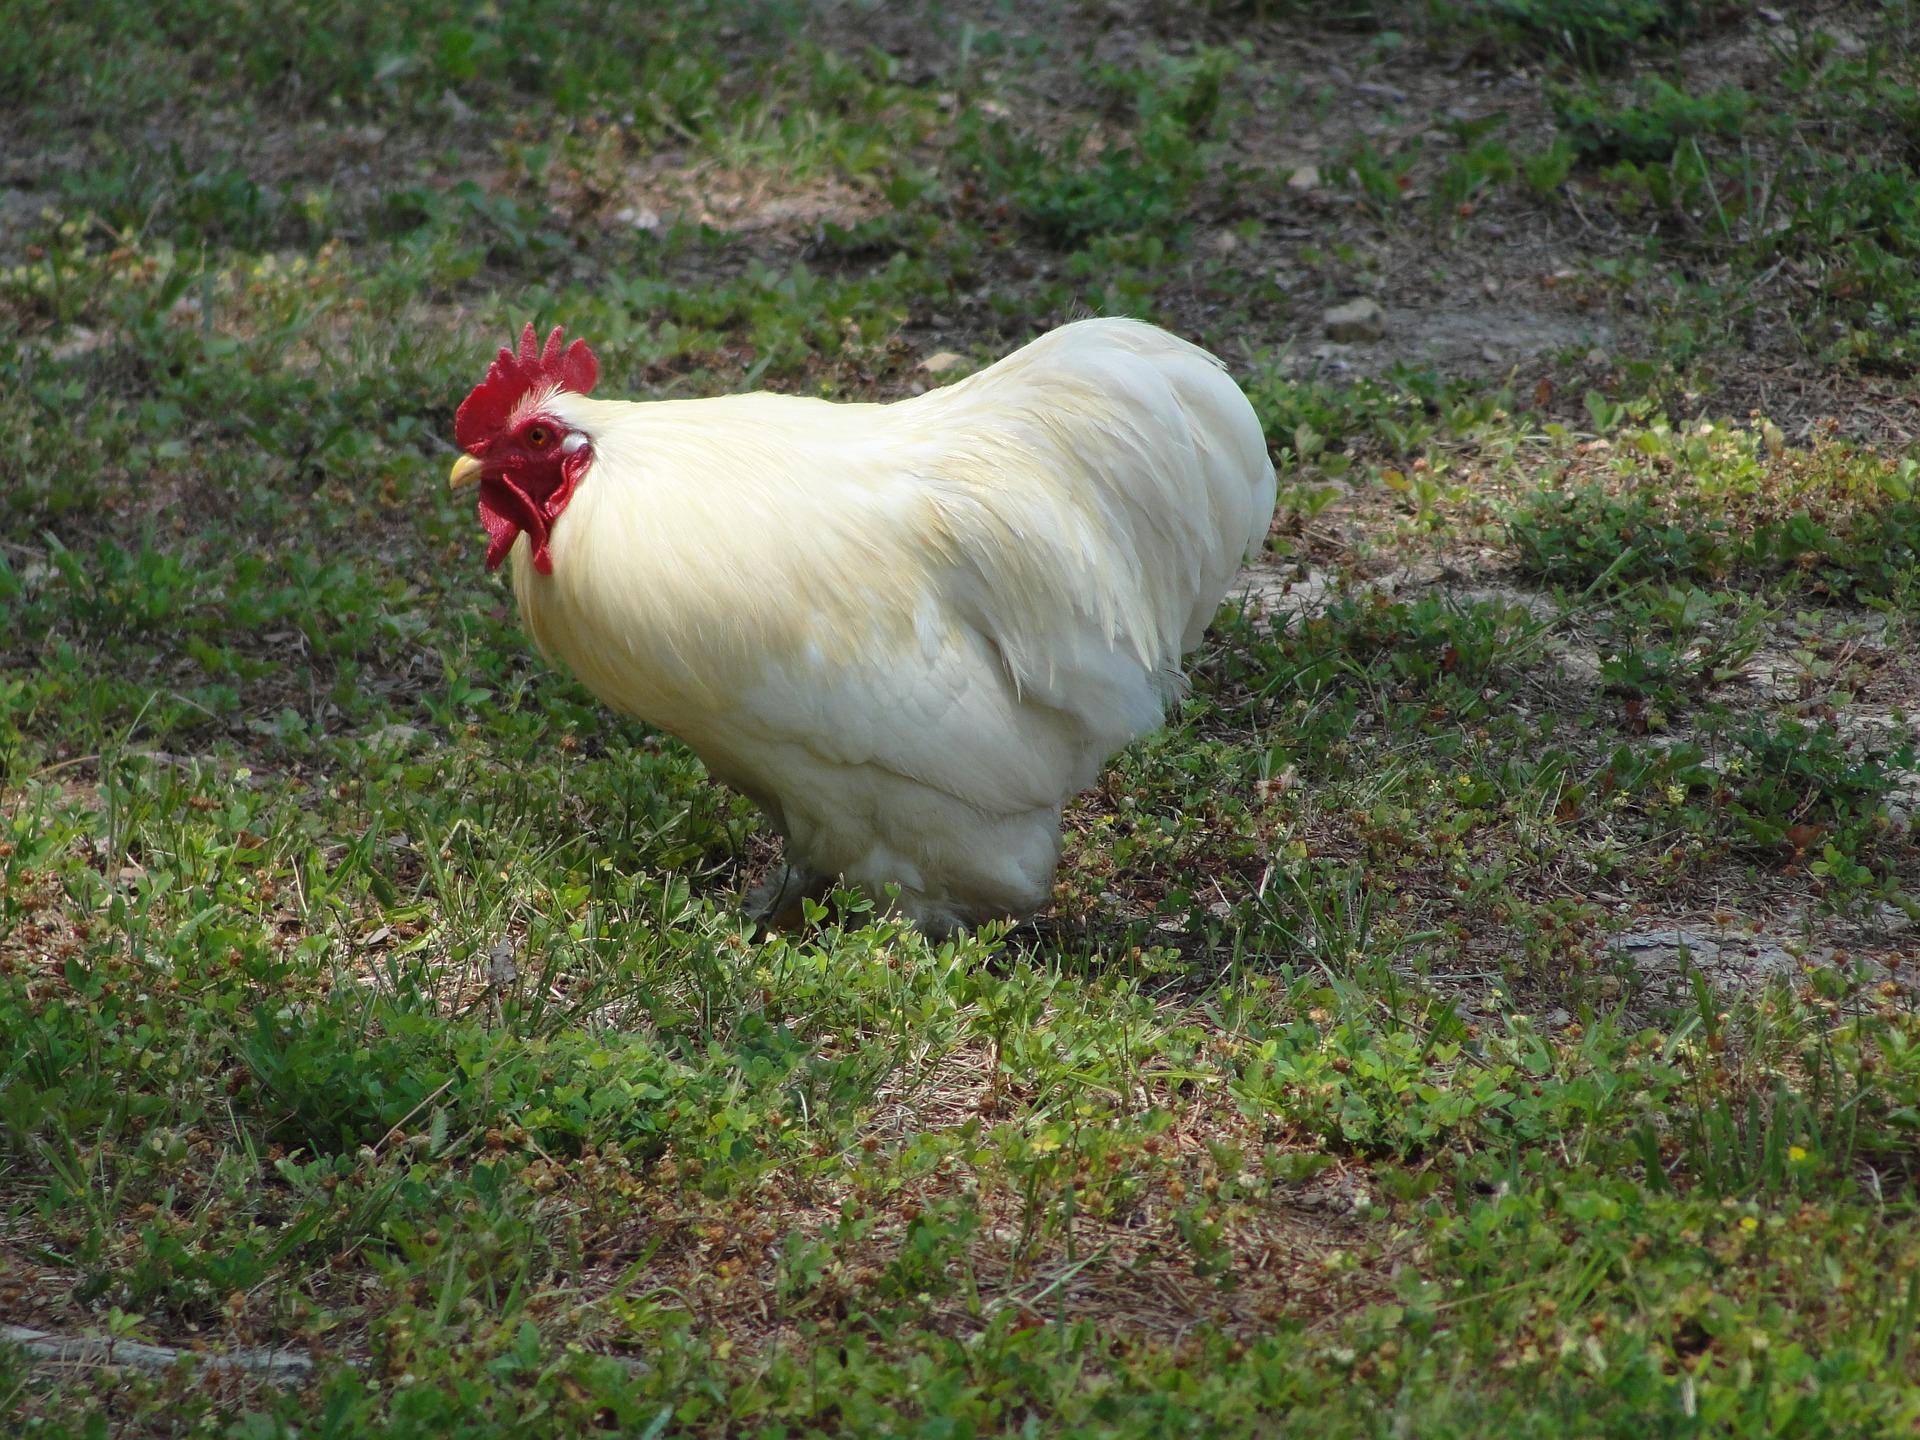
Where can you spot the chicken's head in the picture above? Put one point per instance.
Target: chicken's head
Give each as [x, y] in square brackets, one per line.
[525, 459]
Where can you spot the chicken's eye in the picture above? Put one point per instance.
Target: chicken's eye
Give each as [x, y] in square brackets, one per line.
[539, 437]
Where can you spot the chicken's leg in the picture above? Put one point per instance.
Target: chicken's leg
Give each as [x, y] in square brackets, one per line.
[777, 903]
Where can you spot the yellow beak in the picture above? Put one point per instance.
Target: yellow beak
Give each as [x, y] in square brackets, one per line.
[466, 470]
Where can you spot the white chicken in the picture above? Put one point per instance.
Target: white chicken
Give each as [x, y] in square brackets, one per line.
[909, 632]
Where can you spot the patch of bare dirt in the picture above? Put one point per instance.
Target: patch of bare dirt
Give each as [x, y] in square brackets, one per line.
[1308, 1252]
[1742, 952]
[1740, 920]
[736, 202]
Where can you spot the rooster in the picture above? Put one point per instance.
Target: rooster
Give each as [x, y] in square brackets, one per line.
[908, 632]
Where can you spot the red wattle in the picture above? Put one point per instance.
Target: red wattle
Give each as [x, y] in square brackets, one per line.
[501, 533]
[508, 511]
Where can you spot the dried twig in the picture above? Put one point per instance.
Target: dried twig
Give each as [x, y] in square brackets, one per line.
[286, 1366]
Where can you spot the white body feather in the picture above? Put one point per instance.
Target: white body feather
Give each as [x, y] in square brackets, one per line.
[911, 632]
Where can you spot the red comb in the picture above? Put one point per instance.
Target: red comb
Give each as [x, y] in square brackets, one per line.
[566, 367]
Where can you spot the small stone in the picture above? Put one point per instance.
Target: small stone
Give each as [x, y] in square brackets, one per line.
[942, 361]
[1598, 358]
[1307, 177]
[1356, 320]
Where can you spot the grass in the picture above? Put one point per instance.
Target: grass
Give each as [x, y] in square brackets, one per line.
[366, 991]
